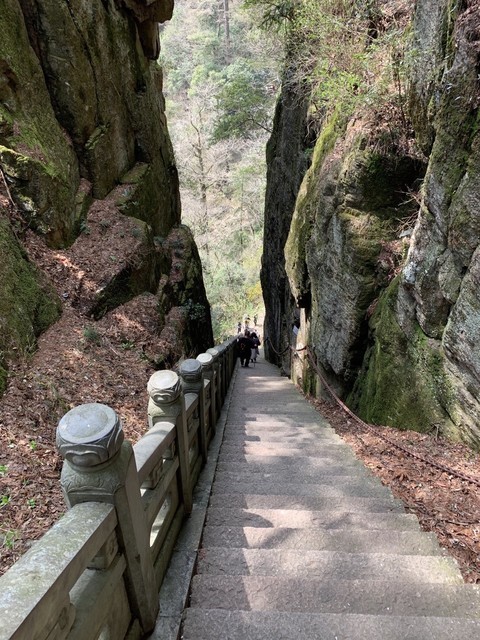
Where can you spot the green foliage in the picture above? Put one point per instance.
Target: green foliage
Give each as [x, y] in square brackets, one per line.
[274, 13]
[226, 87]
[91, 335]
[10, 536]
[243, 103]
[3, 470]
[4, 500]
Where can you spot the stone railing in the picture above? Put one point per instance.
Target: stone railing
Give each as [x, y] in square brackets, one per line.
[97, 572]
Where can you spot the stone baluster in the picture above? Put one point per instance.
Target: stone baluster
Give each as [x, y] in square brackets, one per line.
[167, 404]
[100, 467]
[206, 360]
[191, 373]
[217, 367]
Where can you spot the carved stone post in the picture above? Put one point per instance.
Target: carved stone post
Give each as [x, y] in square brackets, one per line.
[192, 383]
[100, 467]
[167, 404]
[206, 360]
[217, 367]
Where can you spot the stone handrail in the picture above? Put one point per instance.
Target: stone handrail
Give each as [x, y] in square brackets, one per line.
[97, 572]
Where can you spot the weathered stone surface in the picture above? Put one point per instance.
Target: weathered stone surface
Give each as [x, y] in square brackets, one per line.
[328, 565]
[258, 625]
[400, 349]
[286, 165]
[316, 596]
[36, 156]
[317, 538]
[427, 327]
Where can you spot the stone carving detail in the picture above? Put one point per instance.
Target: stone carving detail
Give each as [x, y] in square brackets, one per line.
[89, 435]
[206, 360]
[170, 452]
[164, 387]
[78, 482]
[191, 374]
[214, 352]
[154, 476]
[166, 399]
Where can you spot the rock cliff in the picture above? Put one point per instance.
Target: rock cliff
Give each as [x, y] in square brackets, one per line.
[83, 146]
[386, 273]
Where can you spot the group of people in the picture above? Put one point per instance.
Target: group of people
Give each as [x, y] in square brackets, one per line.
[247, 347]
[246, 323]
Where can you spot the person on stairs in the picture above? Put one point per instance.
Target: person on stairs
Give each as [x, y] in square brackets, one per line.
[256, 343]
[245, 346]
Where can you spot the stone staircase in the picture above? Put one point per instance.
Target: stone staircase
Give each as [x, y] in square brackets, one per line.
[302, 542]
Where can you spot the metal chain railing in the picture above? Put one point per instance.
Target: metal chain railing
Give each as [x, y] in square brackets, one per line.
[375, 428]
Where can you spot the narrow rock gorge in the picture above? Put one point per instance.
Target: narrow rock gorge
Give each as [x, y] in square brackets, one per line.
[377, 251]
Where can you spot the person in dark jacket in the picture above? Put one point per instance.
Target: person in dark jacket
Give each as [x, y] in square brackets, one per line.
[256, 343]
[245, 346]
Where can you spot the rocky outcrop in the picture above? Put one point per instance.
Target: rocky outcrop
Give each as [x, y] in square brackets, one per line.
[389, 305]
[343, 246]
[438, 297]
[84, 145]
[287, 161]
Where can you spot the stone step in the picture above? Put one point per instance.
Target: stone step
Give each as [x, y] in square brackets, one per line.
[292, 437]
[277, 422]
[264, 487]
[316, 539]
[309, 449]
[338, 485]
[305, 422]
[328, 565]
[280, 464]
[392, 598]
[324, 511]
[220, 624]
[292, 457]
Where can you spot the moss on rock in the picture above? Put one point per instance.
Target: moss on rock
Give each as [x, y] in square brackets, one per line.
[403, 382]
[35, 155]
[28, 305]
[306, 211]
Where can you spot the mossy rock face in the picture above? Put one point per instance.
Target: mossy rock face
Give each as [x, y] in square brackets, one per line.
[348, 210]
[35, 155]
[28, 305]
[287, 162]
[305, 212]
[404, 381]
[426, 59]
[144, 196]
[449, 230]
[439, 287]
[108, 104]
[185, 290]
[461, 341]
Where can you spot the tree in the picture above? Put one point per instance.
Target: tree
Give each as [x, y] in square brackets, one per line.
[243, 102]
